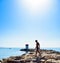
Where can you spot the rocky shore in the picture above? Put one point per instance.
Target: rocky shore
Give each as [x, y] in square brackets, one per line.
[47, 56]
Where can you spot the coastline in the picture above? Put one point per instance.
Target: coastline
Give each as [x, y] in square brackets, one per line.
[46, 56]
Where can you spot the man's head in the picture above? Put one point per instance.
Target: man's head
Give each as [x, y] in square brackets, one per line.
[36, 40]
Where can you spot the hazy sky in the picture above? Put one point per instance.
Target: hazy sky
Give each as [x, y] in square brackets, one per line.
[23, 21]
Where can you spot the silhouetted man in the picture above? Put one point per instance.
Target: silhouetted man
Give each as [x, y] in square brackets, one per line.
[37, 47]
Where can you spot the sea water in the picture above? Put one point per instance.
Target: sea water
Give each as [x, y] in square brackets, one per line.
[55, 49]
[7, 52]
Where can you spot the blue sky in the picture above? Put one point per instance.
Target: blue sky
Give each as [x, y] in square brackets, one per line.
[23, 21]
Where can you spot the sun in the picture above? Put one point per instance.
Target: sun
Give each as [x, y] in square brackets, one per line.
[35, 6]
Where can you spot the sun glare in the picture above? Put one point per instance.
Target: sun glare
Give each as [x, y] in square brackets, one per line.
[35, 6]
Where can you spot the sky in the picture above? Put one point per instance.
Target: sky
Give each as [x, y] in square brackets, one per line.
[24, 21]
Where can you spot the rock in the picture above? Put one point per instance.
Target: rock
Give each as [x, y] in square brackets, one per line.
[57, 58]
[47, 56]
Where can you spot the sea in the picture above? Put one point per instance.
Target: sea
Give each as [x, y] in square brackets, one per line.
[7, 52]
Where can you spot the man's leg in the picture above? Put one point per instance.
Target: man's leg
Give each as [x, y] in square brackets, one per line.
[36, 52]
[39, 52]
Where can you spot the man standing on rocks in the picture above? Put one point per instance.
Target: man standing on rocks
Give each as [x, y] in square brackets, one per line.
[37, 47]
